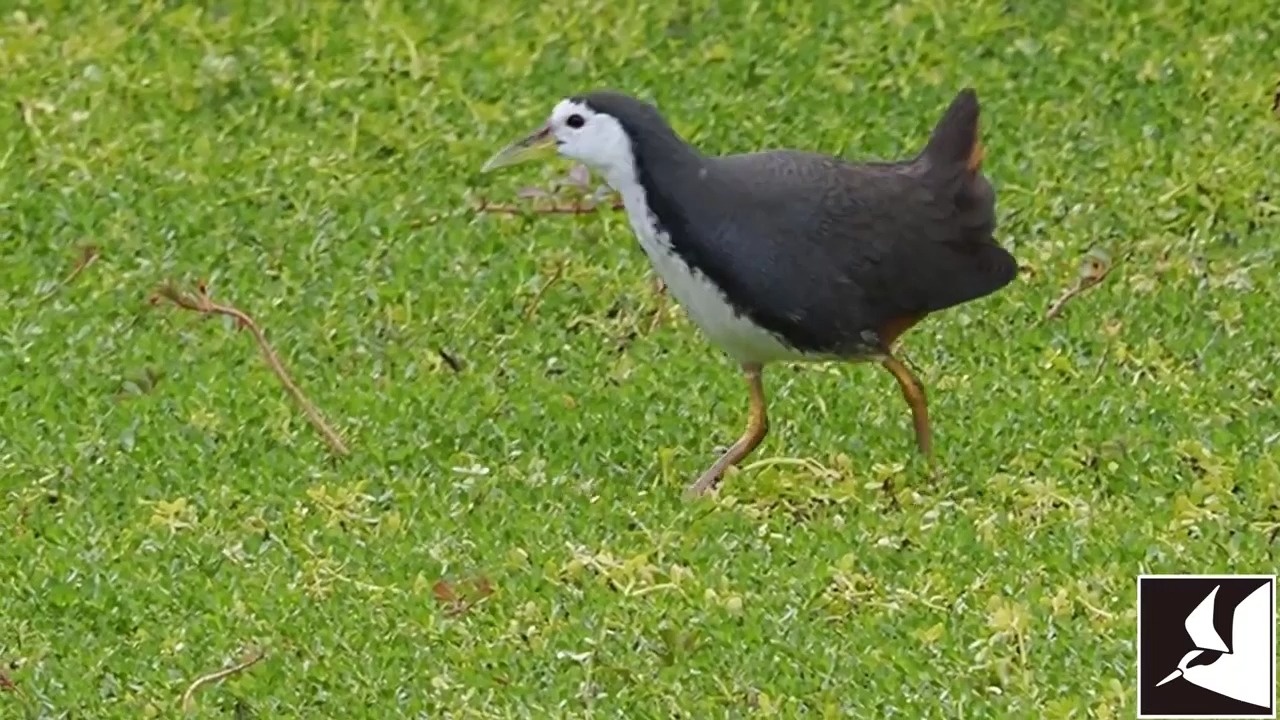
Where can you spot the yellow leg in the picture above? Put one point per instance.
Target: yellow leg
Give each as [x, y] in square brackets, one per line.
[757, 428]
[913, 391]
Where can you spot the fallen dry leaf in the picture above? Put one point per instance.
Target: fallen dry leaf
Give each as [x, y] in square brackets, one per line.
[1095, 267]
[460, 597]
[444, 591]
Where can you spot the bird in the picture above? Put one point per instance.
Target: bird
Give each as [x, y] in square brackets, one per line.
[790, 255]
[1239, 672]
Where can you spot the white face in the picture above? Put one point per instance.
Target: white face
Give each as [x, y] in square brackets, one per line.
[593, 139]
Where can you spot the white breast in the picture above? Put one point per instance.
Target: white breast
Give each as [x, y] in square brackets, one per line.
[707, 306]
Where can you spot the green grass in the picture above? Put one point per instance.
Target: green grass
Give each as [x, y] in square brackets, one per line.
[315, 163]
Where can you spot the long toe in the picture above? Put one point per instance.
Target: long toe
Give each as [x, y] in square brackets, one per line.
[703, 485]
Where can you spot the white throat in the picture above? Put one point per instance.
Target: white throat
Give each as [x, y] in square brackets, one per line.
[706, 305]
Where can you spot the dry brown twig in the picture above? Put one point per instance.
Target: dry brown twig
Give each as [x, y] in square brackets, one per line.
[201, 303]
[1095, 268]
[537, 298]
[580, 200]
[188, 698]
[88, 253]
[576, 207]
[27, 110]
[660, 288]
[8, 685]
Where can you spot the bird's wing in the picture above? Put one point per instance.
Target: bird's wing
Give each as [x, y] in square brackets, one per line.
[860, 246]
[1250, 636]
[1199, 624]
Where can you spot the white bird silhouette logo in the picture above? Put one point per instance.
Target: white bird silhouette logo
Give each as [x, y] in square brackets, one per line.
[1244, 671]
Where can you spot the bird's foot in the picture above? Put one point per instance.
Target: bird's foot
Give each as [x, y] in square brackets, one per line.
[757, 427]
[705, 484]
[931, 469]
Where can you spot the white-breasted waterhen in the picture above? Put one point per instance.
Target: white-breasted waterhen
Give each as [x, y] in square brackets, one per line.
[788, 255]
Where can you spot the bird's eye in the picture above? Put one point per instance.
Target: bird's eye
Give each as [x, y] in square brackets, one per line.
[575, 121]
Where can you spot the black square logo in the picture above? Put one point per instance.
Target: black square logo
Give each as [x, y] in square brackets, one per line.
[1206, 646]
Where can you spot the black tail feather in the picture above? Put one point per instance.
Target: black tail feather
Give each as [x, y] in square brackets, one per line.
[954, 142]
[952, 161]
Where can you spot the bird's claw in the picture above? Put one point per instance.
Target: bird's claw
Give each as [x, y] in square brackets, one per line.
[704, 485]
[930, 465]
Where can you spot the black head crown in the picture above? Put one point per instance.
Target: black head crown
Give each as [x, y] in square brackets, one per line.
[641, 120]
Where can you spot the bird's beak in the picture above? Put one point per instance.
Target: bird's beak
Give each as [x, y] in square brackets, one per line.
[527, 148]
[1171, 676]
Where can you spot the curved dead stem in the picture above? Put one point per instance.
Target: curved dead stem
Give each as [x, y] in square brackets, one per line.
[201, 303]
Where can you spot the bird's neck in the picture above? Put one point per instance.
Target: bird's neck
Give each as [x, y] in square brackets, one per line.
[624, 180]
[662, 164]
